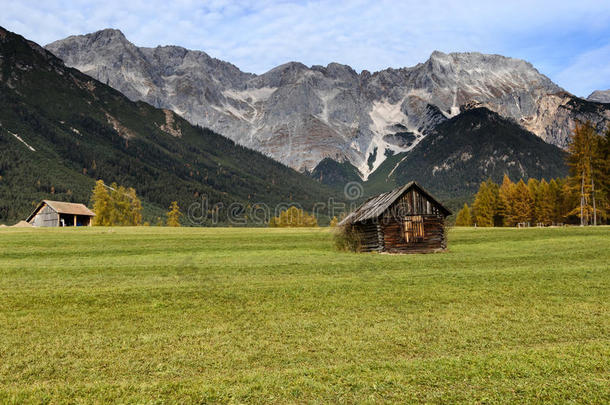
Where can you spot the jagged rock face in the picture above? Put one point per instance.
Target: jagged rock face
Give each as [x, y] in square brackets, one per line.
[301, 115]
[600, 96]
[557, 115]
[473, 146]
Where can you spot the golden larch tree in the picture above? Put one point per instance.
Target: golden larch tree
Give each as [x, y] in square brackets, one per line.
[174, 214]
[464, 217]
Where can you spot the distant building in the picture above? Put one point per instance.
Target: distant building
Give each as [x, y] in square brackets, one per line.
[57, 213]
[405, 220]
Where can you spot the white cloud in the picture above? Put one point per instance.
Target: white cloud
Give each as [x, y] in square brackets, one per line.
[373, 35]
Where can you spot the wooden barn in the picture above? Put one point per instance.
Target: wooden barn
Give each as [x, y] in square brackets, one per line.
[57, 213]
[405, 220]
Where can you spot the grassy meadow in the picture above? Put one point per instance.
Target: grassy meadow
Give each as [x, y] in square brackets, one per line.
[185, 315]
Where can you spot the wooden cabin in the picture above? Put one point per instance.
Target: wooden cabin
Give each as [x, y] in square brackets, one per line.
[405, 220]
[57, 213]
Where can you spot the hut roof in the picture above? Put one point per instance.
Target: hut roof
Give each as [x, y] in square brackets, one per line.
[64, 208]
[375, 206]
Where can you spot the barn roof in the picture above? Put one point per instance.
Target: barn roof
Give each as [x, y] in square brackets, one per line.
[63, 208]
[375, 206]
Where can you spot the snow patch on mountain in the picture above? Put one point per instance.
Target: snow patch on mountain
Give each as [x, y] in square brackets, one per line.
[22, 141]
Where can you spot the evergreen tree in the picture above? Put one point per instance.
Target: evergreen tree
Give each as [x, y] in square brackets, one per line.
[174, 214]
[464, 218]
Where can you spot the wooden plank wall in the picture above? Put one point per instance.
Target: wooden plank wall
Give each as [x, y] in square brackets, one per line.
[387, 233]
[412, 203]
[46, 217]
[433, 240]
[370, 236]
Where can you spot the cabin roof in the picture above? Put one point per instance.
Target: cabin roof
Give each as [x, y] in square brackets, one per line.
[375, 206]
[63, 208]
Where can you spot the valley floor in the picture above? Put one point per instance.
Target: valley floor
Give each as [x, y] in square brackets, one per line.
[276, 315]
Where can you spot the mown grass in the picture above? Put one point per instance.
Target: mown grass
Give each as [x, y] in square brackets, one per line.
[158, 315]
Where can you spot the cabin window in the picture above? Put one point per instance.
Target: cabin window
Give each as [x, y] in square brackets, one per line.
[414, 228]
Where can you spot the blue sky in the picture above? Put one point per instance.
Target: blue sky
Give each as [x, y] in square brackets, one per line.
[569, 41]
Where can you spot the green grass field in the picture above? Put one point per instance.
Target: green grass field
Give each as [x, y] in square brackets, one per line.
[158, 315]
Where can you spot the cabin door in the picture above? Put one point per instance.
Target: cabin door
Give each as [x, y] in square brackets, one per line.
[414, 228]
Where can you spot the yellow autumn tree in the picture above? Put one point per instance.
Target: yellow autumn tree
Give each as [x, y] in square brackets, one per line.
[174, 214]
[532, 188]
[293, 217]
[522, 203]
[118, 207]
[507, 194]
[487, 207]
[101, 204]
[545, 204]
[586, 168]
[464, 217]
[557, 198]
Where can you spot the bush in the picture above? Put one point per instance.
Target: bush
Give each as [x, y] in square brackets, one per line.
[347, 238]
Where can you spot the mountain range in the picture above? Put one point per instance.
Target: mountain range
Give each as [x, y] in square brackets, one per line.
[302, 116]
[179, 125]
[60, 130]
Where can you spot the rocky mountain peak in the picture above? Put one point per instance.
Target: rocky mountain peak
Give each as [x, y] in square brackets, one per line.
[302, 115]
[99, 39]
[109, 33]
[600, 96]
[337, 70]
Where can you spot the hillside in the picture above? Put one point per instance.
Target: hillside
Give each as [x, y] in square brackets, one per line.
[301, 115]
[61, 129]
[462, 152]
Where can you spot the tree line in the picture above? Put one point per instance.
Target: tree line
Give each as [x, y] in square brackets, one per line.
[293, 217]
[116, 205]
[581, 198]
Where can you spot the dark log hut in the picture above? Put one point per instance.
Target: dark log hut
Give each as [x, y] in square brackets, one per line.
[405, 220]
[57, 213]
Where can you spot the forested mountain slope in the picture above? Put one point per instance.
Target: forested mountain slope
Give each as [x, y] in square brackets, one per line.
[462, 152]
